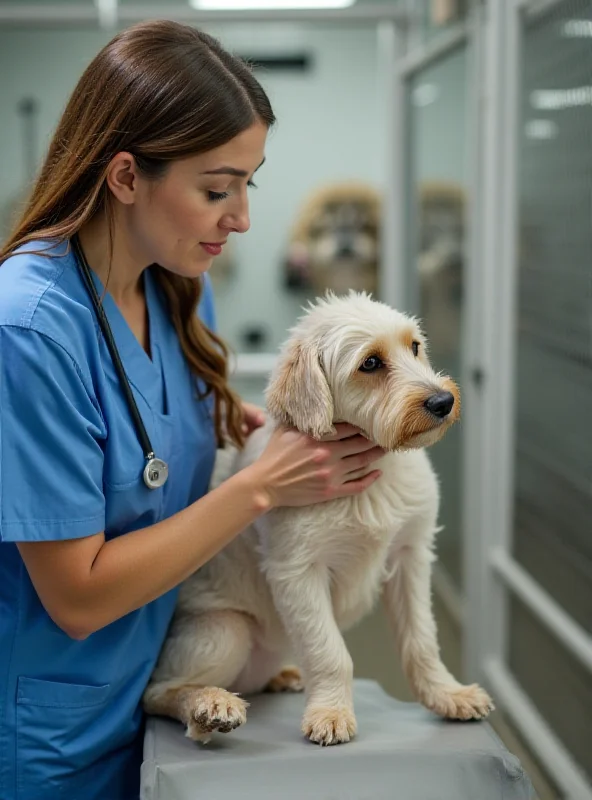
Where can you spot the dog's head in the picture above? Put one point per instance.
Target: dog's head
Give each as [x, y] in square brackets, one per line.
[346, 229]
[335, 241]
[352, 359]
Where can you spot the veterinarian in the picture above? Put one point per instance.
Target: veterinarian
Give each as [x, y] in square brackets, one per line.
[108, 427]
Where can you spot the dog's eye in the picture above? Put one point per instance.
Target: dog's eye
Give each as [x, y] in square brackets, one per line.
[415, 348]
[371, 364]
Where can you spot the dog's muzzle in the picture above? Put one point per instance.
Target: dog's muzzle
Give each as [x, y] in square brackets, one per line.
[440, 404]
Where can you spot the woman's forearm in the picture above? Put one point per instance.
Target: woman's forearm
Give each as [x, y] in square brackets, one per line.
[132, 570]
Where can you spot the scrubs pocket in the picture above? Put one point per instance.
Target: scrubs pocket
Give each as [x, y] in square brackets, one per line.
[58, 738]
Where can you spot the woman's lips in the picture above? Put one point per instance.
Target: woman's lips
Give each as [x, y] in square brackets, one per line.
[213, 248]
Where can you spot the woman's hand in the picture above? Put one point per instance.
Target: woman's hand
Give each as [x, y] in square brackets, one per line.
[253, 418]
[297, 470]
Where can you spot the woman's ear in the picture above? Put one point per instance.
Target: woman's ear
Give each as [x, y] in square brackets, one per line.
[122, 178]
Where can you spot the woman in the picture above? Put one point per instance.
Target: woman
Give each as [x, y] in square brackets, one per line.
[145, 179]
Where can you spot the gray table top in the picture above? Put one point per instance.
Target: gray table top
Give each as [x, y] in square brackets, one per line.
[401, 752]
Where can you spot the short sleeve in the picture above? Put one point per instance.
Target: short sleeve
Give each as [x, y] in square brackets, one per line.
[206, 309]
[51, 434]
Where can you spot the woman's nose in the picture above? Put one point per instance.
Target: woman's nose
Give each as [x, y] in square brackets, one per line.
[238, 222]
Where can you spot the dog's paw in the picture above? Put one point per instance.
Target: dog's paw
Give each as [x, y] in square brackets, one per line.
[325, 726]
[214, 709]
[458, 701]
[288, 680]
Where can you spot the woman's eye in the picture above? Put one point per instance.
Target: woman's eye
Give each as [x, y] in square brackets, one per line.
[415, 348]
[371, 364]
[215, 197]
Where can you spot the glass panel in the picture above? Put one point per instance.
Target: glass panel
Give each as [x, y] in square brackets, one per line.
[438, 182]
[559, 686]
[553, 494]
[553, 426]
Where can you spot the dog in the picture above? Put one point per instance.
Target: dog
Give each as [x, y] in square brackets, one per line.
[289, 585]
[335, 243]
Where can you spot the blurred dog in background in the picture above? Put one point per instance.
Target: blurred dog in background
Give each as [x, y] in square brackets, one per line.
[335, 242]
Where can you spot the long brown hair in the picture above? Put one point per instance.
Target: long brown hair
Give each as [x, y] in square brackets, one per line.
[160, 91]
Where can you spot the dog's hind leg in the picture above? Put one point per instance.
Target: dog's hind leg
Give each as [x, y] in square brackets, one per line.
[202, 655]
[407, 597]
[289, 679]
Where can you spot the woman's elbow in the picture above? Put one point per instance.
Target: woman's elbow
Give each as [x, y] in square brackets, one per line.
[77, 633]
[73, 626]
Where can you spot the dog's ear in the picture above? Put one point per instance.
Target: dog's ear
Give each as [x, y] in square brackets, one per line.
[298, 394]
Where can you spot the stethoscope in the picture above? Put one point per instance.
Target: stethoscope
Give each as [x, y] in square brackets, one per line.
[156, 470]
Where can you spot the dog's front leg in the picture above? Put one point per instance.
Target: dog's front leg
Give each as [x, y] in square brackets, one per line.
[303, 601]
[407, 597]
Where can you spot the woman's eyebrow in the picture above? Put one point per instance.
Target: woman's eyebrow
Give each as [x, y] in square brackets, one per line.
[238, 173]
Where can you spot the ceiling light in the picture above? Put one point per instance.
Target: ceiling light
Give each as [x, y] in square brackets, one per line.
[254, 5]
[557, 99]
[541, 129]
[425, 94]
[578, 28]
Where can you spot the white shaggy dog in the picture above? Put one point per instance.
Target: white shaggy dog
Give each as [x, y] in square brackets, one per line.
[288, 585]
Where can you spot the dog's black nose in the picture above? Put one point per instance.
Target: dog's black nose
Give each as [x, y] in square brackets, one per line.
[440, 404]
[345, 250]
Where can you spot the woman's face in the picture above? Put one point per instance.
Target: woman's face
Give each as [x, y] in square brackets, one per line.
[183, 220]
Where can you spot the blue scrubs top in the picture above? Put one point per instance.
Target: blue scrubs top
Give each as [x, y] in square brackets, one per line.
[71, 466]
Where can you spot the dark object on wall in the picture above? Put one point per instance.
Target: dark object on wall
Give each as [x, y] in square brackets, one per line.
[296, 63]
[254, 337]
[28, 108]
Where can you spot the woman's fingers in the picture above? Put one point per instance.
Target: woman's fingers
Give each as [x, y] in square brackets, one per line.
[359, 485]
[353, 446]
[361, 460]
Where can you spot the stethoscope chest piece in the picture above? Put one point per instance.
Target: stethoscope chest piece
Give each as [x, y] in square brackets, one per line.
[156, 473]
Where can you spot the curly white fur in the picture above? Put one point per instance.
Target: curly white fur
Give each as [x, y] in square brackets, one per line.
[287, 587]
